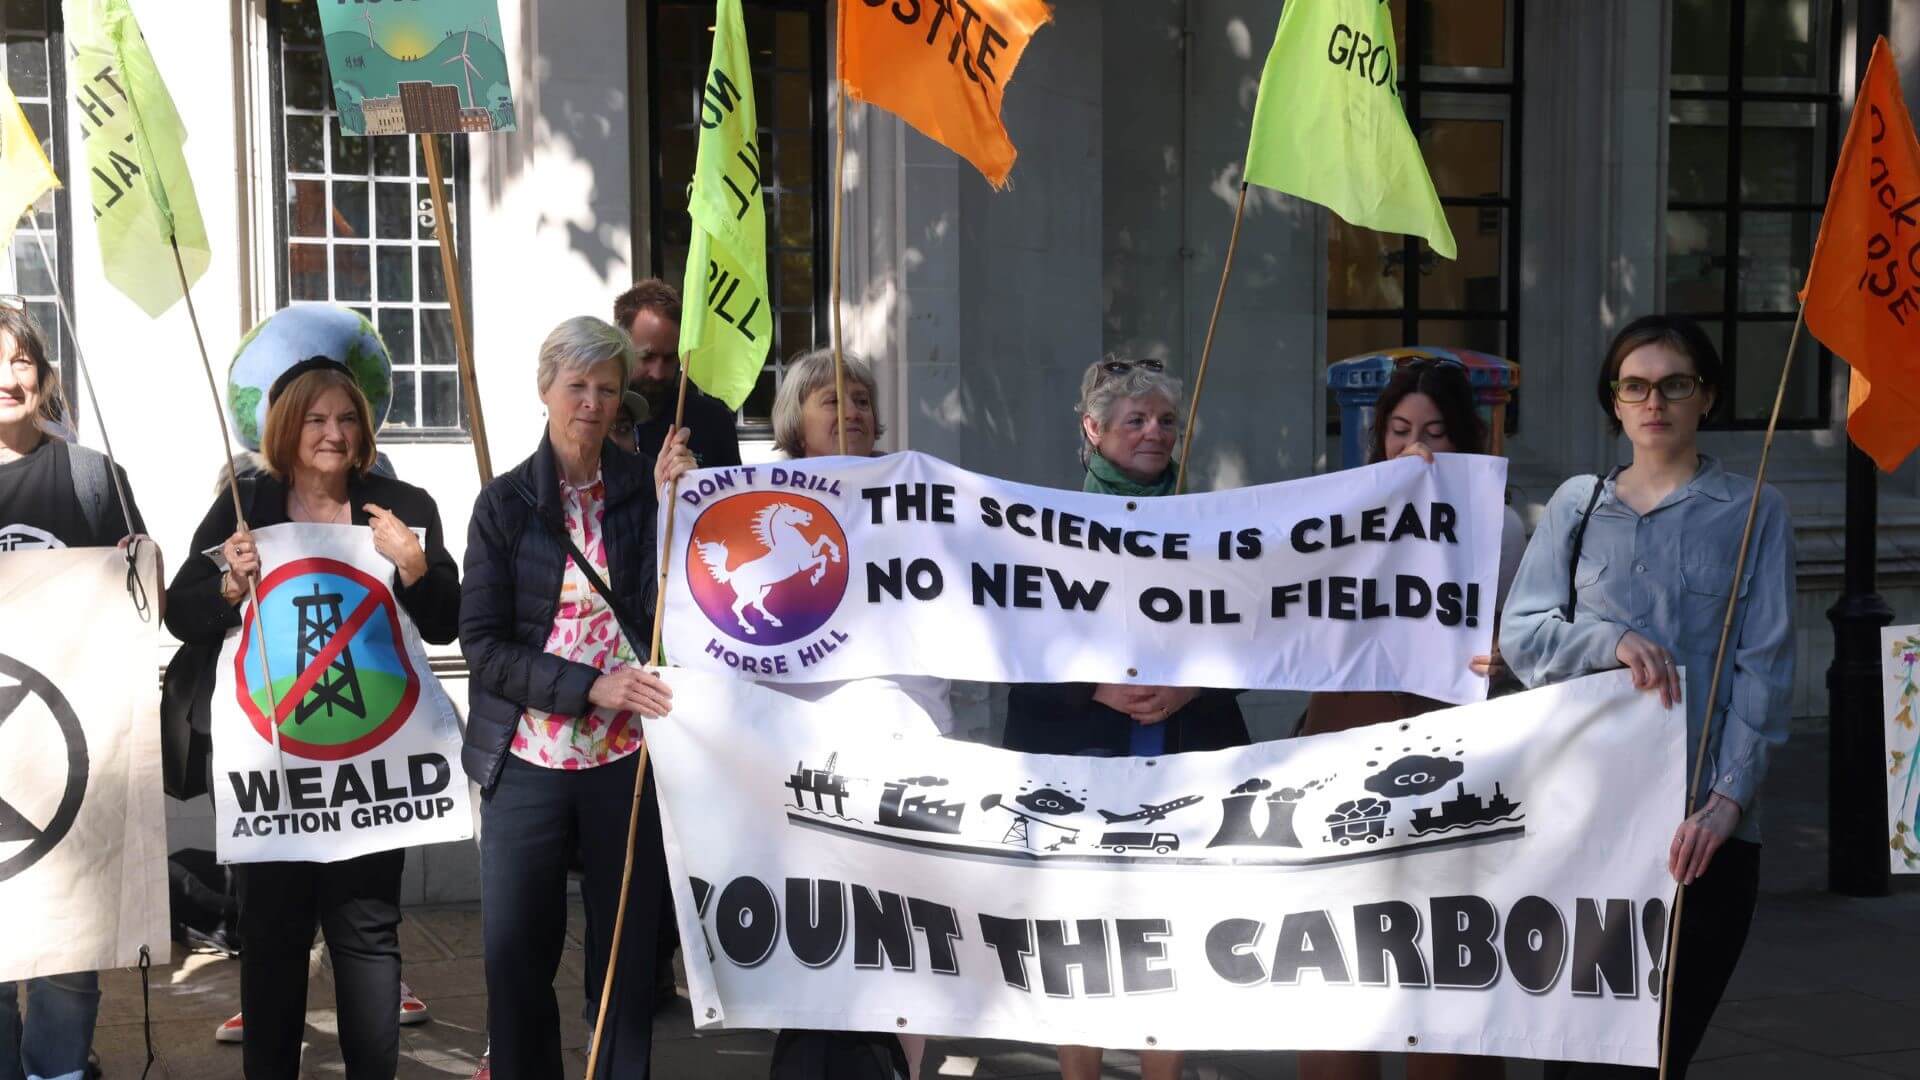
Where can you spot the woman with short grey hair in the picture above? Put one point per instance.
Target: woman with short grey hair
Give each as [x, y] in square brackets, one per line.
[806, 420]
[554, 617]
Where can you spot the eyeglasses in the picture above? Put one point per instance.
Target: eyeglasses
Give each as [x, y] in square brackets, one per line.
[1672, 388]
[1112, 367]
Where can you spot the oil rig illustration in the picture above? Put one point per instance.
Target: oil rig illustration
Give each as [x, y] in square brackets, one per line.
[339, 685]
[1465, 810]
[902, 811]
[823, 784]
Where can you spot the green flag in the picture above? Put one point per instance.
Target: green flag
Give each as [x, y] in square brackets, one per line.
[728, 321]
[143, 198]
[1329, 127]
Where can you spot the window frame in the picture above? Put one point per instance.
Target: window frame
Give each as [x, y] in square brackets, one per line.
[455, 172]
[62, 247]
[1733, 206]
[819, 59]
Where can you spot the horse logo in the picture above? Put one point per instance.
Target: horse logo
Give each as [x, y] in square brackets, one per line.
[793, 573]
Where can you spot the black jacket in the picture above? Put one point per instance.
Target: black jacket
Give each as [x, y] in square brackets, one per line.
[511, 590]
[713, 435]
[1063, 718]
[197, 612]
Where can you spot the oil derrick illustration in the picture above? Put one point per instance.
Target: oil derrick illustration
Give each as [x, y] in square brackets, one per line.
[339, 684]
[1236, 817]
[822, 784]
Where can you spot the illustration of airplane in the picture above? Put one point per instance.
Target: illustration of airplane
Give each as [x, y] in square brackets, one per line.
[1148, 814]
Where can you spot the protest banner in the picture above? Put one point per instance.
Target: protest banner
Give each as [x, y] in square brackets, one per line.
[371, 740]
[1373, 579]
[421, 66]
[83, 844]
[1489, 879]
[1900, 657]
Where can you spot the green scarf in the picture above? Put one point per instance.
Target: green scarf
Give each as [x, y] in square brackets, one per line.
[1105, 478]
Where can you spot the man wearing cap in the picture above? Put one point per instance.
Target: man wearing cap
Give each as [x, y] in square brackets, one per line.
[650, 314]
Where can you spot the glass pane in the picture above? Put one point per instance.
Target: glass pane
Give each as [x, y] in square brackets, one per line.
[793, 101]
[1466, 157]
[306, 208]
[396, 273]
[1472, 281]
[680, 98]
[1485, 335]
[300, 23]
[423, 211]
[793, 41]
[433, 287]
[1782, 43]
[33, 277]
[796, 279]
[352, 280]
[306, 86]
[306, 144]
[1463, 33]
[677, 149]
[758, 408]
[396, 330]
[350, 209]
[392, 155]
[393, 211]
[1697, 152]
[1356, 337]
[1365, 269]
[794, 334]
[350, 152]
[404, 411]
[440, 399]
[793, 160]
[27, 67]
[307, 271]
[1696, 261]
[1762, 349]
[26, 15]
[1774, 252]
[436, 337]
[796, 219]
[1782, 147]
[1701, 30]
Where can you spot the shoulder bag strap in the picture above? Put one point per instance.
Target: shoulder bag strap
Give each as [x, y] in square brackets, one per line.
[586, 568]
[90, 485]
[1579, 537]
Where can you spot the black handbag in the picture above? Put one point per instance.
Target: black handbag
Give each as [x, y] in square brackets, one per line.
[186, 720]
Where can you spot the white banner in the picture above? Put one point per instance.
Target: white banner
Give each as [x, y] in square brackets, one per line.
[1489, 879]
[83, 844]
[1372, 579]
[369, 742]
[1900, 652]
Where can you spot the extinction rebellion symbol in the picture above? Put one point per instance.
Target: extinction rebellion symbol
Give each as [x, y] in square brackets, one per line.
[767, 567]
[342, 683]
[27, 697]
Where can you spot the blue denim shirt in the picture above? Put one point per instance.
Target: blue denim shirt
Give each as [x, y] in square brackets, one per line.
[1666, 574]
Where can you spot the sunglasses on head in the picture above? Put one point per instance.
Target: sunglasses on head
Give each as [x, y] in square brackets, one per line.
[1114, 367]
[1428, 363]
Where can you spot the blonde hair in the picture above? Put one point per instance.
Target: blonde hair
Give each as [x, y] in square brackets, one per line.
[581, 343]
[806, 373]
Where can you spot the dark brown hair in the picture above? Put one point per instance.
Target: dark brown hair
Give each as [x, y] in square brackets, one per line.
[52, 408]
[651, 294]
[286, 417]
[1452, 393]
[1678, 333]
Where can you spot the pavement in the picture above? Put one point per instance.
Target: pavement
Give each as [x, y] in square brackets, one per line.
[1829, 987]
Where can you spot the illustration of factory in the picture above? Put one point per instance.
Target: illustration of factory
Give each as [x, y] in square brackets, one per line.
[1465, 810]
[902, 811]
[823, 784]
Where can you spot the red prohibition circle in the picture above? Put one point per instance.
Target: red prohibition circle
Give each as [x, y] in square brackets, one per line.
[401, 710]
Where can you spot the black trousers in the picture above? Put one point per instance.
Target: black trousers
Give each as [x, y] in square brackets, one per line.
[1713, 931]
[531, 821]
[356, 905]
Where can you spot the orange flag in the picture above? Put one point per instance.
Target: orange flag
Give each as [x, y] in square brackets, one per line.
[942, 66]
[1862, 296]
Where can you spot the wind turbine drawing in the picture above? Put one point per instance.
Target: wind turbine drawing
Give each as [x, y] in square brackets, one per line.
[466, 58]
[367, 17]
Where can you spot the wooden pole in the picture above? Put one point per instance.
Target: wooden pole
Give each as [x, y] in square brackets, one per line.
[833, 269]
[639, 777]
[1713, 684]
[462, 336]
[1206, 348]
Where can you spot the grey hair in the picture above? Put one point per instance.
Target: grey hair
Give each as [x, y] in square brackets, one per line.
[580, 343]
[806, 373]
[1101, 391]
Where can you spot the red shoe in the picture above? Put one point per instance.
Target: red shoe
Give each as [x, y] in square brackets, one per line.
[233, 1031]
[412, 1009]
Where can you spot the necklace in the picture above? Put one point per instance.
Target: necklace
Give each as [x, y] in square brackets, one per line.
[337, 518]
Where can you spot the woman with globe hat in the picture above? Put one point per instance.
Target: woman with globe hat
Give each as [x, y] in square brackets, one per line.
[327, 384]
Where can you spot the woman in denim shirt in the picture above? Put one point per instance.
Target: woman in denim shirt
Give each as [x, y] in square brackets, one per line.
[1650, 594]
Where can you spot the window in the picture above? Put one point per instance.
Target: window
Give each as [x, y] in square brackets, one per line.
[32, 68]
[1751, 140]
[787, 40]
[356, 221]
[1463, 101]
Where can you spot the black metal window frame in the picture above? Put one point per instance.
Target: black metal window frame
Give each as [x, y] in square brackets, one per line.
[43, 308]
[457, 180]
[1729, 319]
[820, 14]
[1414, 251]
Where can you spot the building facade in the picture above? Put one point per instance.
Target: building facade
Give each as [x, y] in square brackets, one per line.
[1598, 159]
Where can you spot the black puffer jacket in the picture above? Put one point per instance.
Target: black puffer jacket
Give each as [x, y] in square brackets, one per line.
[511, 590]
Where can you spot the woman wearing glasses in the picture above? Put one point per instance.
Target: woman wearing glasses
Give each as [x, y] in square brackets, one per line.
[1129, 420]
[1633, 570]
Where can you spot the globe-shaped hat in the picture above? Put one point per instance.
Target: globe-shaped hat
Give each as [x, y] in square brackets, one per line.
[298, 333]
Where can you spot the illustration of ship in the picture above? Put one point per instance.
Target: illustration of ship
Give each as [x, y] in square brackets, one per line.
[1359, 819]
[918, 812]
[1463, 811]
[822, 784]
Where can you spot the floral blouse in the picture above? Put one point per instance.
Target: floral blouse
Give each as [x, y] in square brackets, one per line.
[584, 631]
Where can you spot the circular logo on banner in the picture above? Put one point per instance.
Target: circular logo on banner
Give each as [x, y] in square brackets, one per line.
[767, 567]
[342, 683]
[28, 828]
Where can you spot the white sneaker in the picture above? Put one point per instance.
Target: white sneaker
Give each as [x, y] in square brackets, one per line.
[233, 1031]
[412, 1009]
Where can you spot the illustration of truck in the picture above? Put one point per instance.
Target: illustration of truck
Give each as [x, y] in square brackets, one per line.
[1165, 843]
[1359, 819]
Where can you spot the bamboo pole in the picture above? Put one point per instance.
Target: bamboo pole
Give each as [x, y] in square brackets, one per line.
[833, 268]
[1206, 348]
[462, 335]
[1713, 684]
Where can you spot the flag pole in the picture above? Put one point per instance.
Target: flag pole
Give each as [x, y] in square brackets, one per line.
[1713, 684]
[239, 512]
[833, 270]
[462, 337]
[1206, 348]
[656, 658]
